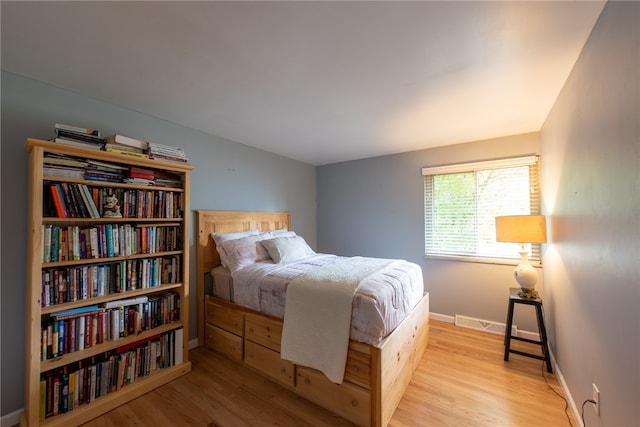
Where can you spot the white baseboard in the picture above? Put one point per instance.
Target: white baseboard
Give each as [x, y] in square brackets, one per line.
[567, 394]
[483, 325]
[12, 419]
[193, 343]
[442, 317]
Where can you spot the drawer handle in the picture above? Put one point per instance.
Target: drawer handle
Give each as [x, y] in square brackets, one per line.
[354, 369]
[250, 329]
[398, 356]
[283, 370]
[354, 403]
[268, 328]
[307, 381]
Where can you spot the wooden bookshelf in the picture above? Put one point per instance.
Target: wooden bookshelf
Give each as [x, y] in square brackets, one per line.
[169, 337]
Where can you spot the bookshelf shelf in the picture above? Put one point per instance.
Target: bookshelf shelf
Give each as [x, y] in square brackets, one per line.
[152, 355]
[111, 297]
[65, 221]
[65, 359]
[112, 184]
[88, 261]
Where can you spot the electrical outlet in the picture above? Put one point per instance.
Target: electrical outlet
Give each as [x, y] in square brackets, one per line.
[596, 399]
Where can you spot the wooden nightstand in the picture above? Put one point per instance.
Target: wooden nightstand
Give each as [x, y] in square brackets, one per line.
[514, 299]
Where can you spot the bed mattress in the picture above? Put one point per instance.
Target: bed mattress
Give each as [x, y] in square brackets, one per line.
[381, 301]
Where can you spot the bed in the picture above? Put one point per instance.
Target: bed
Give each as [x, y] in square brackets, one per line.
[377, 369]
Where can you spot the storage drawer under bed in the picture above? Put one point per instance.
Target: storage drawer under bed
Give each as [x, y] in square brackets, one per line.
[269, 362]
[224, 342]
[224, 317]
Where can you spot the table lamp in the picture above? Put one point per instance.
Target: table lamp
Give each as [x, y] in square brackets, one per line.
[523, 229]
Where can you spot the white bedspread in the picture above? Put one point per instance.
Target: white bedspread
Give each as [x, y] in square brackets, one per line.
[318, 314]
[381, 301]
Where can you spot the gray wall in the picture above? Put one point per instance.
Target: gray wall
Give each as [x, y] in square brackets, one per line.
[227, 176]
[591, 189]
[375, 207]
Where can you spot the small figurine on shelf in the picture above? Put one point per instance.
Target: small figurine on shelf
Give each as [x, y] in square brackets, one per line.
[111, 207]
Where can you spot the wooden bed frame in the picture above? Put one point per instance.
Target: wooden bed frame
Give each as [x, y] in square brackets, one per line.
[376, 377]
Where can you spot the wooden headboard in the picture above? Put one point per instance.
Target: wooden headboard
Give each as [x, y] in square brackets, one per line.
[226, 222]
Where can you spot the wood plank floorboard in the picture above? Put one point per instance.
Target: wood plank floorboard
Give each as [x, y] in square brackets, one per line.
[461, 381]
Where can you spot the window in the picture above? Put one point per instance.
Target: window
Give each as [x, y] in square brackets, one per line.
[462, 201]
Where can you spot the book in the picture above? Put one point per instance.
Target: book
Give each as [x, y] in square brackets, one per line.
[78, 201]
[89, 201]
[82, 201]
[74, 312]
[126, 140]
[97, 164]
[76, 129]
[109, 237]
[122, 147]
[56, 395]
[63, 160]
[57, 201]
[166, 149]
[92, 382]
[105, 371]
[63, 172]
[127, 153]
[64, 393]
[68, 141]
[179, 342]
[68, 201]
[126, 302]
[80, 137]
[42, 399]
[157, 156]
[137, 172]
[73, 400]
[139, 181]
[166, 152]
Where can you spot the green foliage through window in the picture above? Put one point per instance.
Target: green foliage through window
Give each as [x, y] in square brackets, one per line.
[460, 208]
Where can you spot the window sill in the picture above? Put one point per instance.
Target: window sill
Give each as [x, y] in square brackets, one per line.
[479, 260]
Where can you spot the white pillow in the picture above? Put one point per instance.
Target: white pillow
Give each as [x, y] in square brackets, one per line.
[272, 234]
[287, 249]
[238, 253]
[282, 232]
[221, 237]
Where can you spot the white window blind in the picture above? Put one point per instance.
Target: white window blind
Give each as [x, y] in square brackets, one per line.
[462, 201]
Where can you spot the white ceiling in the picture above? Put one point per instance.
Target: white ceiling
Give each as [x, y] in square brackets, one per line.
[320, 82]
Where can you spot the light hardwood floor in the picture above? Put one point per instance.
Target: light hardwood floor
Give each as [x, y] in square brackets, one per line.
[461, 381]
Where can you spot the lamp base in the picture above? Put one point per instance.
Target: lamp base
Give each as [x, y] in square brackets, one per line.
[528, 293]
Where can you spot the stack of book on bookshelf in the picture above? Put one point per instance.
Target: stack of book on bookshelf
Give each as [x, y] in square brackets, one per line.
[76, 329]
[74, 243]
[167, 152]
[167, 179]
[70, 200]
[127, 146]
[103, 171]
[79, 137]
[63, 166]
[140, 176]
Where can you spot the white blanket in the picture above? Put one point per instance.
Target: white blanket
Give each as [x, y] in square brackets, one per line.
[318, 314]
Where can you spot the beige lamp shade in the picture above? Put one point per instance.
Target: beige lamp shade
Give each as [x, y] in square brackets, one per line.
[521, 229]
